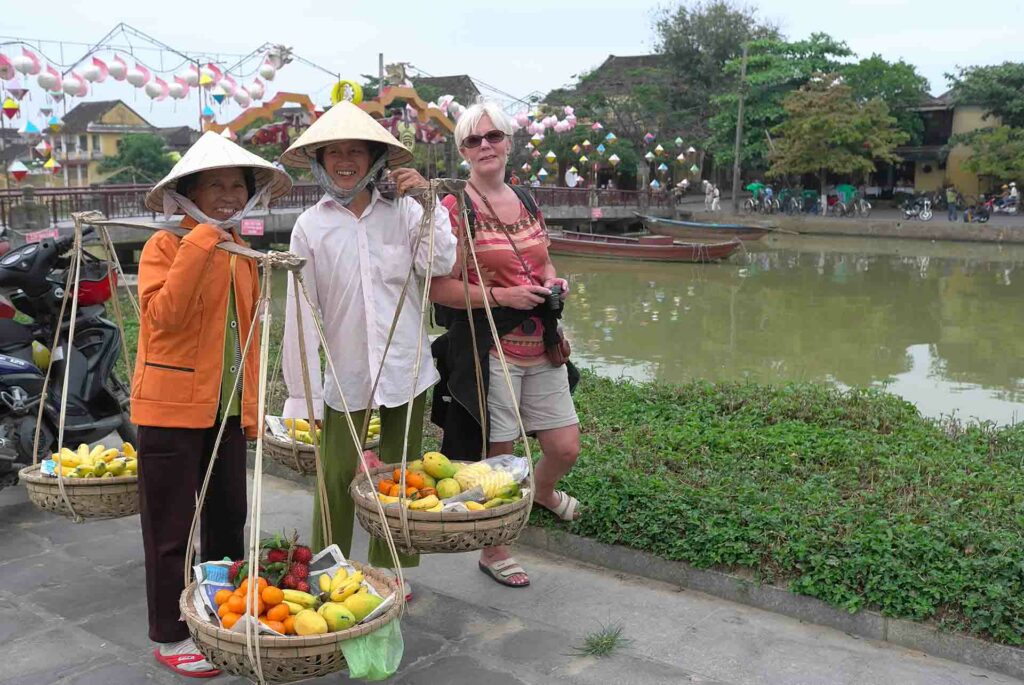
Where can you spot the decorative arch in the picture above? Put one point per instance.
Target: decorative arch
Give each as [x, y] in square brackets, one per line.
[254, 114]
[424, 112]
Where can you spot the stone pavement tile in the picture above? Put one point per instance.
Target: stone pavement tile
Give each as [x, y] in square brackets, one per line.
[125, 625]
[47, 657]
[58, 530]
[449, 618]
[17, 621]
[18, 544]
[82, 596]
[457, 670]
[623, 668]
[115, 550]
[117, 673]
[49, 570]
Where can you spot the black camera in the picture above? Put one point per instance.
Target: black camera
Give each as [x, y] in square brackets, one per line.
[555, 298]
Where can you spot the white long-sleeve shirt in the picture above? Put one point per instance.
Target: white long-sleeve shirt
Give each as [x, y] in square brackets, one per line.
[355, 270]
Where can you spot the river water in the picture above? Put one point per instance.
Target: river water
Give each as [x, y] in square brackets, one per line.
[936, 323]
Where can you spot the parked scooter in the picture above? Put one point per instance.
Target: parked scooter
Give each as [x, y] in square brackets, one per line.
[32, 277]
[979, 212]
[917, 208]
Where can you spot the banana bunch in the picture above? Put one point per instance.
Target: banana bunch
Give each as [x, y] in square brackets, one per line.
[300, 430]
[341, 586]
[98, 462]
[373, 432]
[429, 503]
[469, 476]
[297, 601]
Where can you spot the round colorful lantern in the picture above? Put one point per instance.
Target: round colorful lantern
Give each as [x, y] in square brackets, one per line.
[157, 89]
[179, 89]
[242, 98]
[118, 69]
[75, 85]
[7, 70]
[138, 75]
[27, 63]
[190, 77]
[229, 85]
[50, 79]
[256, 89]
[268, 70]
[96, 72]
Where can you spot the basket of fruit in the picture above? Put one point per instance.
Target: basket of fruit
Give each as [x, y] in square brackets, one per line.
[292, 446]
[448, 506]
[99, 482]
[301, 632]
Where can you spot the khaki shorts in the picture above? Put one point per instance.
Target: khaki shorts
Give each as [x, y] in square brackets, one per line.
[542, 393]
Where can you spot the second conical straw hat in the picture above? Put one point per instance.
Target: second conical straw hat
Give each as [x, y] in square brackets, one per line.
[343, 121]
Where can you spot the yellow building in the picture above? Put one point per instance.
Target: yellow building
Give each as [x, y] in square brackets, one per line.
[934, 164]
[93, 131]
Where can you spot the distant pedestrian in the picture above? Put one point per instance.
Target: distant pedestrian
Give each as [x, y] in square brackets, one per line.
[952, 203]
[716, 199]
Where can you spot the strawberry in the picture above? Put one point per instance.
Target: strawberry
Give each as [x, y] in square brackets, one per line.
[302, 554]
[289, 582]
[302, 586]
[299, 570]
[276, 555]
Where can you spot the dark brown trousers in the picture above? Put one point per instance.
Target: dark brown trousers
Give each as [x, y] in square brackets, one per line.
[172, 465]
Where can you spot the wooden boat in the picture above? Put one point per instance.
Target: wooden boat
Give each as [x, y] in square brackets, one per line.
[690, 230]
[651, 248]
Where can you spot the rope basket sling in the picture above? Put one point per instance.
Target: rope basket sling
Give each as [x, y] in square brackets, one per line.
[81, 499]
[423, 532]
[249, 653]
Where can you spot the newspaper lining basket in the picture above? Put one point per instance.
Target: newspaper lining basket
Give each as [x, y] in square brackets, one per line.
[92, 498]
[285, 659]
[298, 456]
[434, 532]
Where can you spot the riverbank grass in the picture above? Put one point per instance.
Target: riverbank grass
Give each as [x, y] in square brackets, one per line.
[850, 497]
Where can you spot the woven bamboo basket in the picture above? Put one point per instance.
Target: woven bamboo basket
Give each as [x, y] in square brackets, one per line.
[432, 532]
[92, 498]
[296, 455]
[284, 659]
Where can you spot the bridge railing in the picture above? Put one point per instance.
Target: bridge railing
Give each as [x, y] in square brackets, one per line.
[122, 201]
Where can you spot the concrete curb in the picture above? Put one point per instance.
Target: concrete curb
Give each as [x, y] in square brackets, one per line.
[867, 624]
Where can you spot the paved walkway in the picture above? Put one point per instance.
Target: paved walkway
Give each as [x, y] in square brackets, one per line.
[72, 610]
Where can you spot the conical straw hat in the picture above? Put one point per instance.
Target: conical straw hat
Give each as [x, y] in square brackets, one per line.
[214, 151]
[344, 121]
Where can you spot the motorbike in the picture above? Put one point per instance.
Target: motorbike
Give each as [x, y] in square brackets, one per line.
[979, 212]
[917, 208]
[1005, 207]
[32, 279]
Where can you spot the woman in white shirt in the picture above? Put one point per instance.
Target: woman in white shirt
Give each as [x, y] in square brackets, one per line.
[359, 248]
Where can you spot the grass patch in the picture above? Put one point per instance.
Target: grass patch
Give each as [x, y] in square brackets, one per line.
[850, 497]
[603, 642]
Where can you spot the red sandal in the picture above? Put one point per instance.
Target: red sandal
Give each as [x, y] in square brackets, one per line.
[174, 661]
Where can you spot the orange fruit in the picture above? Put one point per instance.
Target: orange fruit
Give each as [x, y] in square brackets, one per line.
[395, 490]
[229, 620]
[221, 596]
[261, 607]
[272, 596]
[236, 604]
[411, 492]
[278, 612]
[384, 487]
[223, 609]
[262, 583]
[411, 478]
[276, 625]
[289, 625]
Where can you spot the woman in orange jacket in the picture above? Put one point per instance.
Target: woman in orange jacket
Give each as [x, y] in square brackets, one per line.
[198, 305]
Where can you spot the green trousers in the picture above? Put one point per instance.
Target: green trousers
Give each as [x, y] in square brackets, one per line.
[340, 463]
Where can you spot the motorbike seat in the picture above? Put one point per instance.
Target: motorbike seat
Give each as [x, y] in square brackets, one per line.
[15, 340]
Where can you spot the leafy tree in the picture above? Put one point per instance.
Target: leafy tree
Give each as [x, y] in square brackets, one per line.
[897, 84]
[562, 143]
[999, 89]
[996, 152]
[774, 69]
[828, 129]
[698, 41]
[141, 157]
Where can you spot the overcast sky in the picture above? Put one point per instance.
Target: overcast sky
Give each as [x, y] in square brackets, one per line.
[518, 48]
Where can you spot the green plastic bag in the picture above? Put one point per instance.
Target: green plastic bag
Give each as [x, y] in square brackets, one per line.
[377, 655]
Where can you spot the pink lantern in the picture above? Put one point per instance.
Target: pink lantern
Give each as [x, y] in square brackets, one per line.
[256, 89]
[268, 70]
[7, 70]
[523, 119]
[571, 120]
[568, 111]
[242, 98]
[229, 85]
[597, 126]
[50, 79]
[157, 89]
[27, 63]
[138, 76]
[191, 76]
[213, 72]
[97, 71]
[118, 69]
[178, 89]
[75, 85]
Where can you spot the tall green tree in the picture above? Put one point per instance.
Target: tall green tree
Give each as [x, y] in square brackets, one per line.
[997, 153]
[999, 89]
[897, 84]
[698, 41]
[827, 129]
[141, 158]
[775, 68]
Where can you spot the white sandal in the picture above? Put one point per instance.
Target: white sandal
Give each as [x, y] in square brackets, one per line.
[566, 507]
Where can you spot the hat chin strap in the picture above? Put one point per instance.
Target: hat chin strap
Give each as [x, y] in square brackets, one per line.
[173, 201]
[345, 197]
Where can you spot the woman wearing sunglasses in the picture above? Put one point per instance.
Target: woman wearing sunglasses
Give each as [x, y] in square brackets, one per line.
[522, 287]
